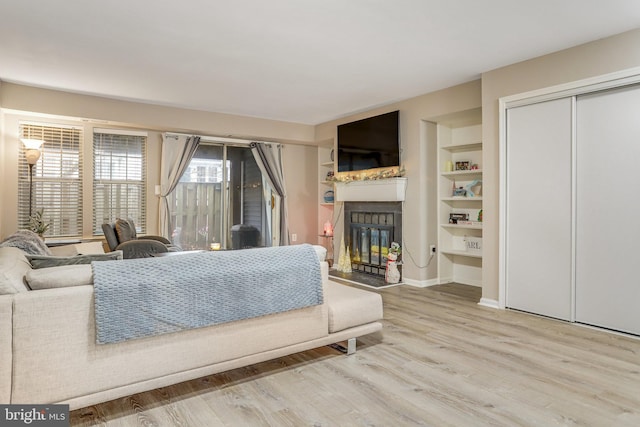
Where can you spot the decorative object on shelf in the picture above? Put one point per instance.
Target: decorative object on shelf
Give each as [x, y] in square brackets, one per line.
[331, 155]
[448, 166]
[330, 175]
[473, 244]
[327, 230]
[328, 196]
[480, 216]
[370, 175]
[459, 192]
[37, 223]
[344, 258]
[462, 165]
[470, 187]
[472, 223]
[392, 274]
[455, 217]
[474, 167]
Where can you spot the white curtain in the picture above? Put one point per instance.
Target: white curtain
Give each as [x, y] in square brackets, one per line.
[177, 151]
[269, 160]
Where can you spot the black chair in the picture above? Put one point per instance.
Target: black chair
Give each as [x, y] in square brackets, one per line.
[121, 235]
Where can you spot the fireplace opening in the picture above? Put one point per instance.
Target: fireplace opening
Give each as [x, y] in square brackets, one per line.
[371, 228]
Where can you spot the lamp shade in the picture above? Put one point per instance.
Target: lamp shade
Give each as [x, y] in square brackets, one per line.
[32, 144]
[32, 149]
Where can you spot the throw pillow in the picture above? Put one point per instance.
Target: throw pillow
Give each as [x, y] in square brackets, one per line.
[41, 261]
[60, 277]
[125, 229]
[89, 248]
[64, 250]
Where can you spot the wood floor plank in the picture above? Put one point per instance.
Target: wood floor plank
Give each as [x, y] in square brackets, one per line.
[440, 360]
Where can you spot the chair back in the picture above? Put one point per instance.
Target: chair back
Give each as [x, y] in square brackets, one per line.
[111, 236]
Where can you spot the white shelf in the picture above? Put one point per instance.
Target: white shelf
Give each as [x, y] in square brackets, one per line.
[458, 148]
[326, 204]
[327, 182]
[377, 190]
[462, 199]
[477, 172]
[327, 164]
[462, 253]
[463, 226]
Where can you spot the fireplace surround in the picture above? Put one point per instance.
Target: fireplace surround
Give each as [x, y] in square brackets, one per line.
[370, 228]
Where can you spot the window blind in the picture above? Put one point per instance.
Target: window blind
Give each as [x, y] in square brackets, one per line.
[57, 178]
[119, 184]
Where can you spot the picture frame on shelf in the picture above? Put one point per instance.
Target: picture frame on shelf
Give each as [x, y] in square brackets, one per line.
[455, 217]
[462, 165]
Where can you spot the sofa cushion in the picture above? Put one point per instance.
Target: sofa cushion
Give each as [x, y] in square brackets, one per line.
[60, 277]
[349, 307]
[6, 287]
[126, 230]
[13, 267]
[41, 261]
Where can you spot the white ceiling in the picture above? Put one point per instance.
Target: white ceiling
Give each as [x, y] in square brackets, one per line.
[294, 60]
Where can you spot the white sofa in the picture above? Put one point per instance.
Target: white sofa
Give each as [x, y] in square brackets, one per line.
[48, 350]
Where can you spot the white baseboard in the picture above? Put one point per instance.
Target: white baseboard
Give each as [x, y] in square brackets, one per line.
[420, 283]
[487, 302]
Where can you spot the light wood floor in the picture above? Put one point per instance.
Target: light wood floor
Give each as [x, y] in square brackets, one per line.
[441, 360]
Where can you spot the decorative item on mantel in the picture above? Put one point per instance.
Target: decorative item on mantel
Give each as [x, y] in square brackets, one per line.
[369, 175]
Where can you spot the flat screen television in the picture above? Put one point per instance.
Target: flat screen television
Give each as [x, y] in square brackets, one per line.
[369, 143]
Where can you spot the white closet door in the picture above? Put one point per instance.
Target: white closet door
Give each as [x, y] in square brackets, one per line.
[608, 210]
[538, 228]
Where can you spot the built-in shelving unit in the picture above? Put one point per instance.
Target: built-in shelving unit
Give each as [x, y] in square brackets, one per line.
[460, 168]
[325, 209]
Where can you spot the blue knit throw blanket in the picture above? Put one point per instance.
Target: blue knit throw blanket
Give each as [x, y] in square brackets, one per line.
[137, 298]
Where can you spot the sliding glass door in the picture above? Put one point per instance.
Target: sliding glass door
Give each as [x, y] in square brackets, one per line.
[221, 200]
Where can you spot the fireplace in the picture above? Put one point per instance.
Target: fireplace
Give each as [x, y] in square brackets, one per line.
[370, 228]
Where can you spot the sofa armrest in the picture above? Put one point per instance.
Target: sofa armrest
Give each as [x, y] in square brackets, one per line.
[157, 238]
[141, 248]
[6, 347]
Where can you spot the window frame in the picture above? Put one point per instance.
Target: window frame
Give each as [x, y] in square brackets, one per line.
[125, 209]
[55, 188]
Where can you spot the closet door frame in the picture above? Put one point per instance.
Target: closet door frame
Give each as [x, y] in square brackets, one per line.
[567, 90]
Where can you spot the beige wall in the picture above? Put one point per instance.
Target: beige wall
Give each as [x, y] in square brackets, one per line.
[593, 59]
[418, 156]
[2, 178]
[301, 178]
[43, 105]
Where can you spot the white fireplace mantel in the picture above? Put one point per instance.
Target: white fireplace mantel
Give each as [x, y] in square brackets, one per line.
[379, 190]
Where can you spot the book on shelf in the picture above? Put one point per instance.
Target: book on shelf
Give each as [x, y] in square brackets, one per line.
[466, 222]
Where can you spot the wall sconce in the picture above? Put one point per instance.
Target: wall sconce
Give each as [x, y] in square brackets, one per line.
[32, 154]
